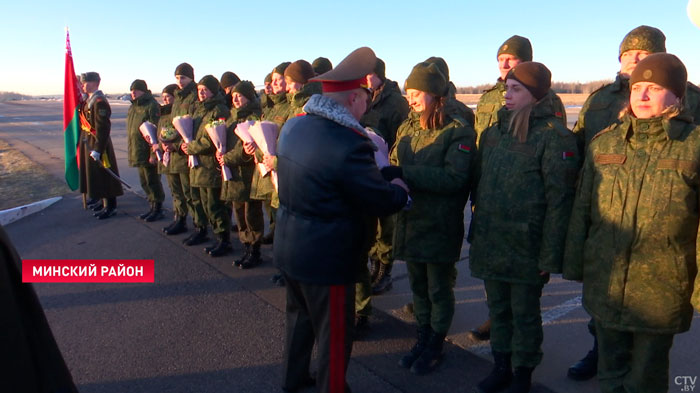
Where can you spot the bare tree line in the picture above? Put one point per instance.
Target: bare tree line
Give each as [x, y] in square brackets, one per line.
[558, 87]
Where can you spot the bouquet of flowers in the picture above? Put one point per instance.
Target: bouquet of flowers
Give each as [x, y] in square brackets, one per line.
[264, 134]
[184, 125]
[381, 153]
[216, 129]
[167, 134]
[148, 132]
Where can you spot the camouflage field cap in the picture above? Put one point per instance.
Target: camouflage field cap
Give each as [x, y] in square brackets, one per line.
[321, 65]
[350, 73]
[645, 38]
[664, 69]
[90, 77]
[211, 83]
[427, 77]
[517, 46]
[229, 78]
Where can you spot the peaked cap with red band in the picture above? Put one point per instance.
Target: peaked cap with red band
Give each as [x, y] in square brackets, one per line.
[350, 73]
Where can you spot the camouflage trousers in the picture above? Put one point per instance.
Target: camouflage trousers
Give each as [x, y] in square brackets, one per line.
[632, 361]
[194, 202]
[218, 213]
[249, 217]
[516, 323]
[382, 247]
[363, 292]
[150, 183]
[180, 199]
[433, 294]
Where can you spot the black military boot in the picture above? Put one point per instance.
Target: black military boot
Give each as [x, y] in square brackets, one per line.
[97, 207]
[109, 210]
[522, 380]
[148, 213]
[198, 237]
[179, 226]
[373, 270]
[223, 247]
[165, 228]
[424, 333]
[587, 367]
[269, 238]
[254, 259]
[383, 282]
[500, 376]
[244, 257]
[156, 214]
[481, 333]
[431, 356]
[92, 202]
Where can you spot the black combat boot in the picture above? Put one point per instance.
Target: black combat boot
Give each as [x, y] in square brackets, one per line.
[180, 226]
[92, 202]
[172, 224]
[481, 333]
[587, 367]
[244, 257]
[97, 207]
[500, 376]
[269, 238]
[198, 237]
[431, 356]
[109, 210]
[522, 380]
[156, 214]
[148, 213]
[424, 333]
[383, 282]
[223, 247]
[373, 270]
[255, 259]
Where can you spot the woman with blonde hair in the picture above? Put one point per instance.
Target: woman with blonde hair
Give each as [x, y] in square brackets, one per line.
[526, 175]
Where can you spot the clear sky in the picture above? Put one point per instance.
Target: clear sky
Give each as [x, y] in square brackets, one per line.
[127, 40]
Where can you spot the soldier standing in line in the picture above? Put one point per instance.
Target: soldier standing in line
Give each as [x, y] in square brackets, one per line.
[265, 100]
[632, 237]
[186, 103]
[174, 162]
[98, 156]
[321, 65]
[228, 80]
[144, 108]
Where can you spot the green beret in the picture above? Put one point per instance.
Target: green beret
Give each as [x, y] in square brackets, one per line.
[428, 78]
[517, 46]
[211, 83]
[171, 89]
[664, 69]
[300, 71]
[536, 78]
[228, 78]
[280, 68]
[246, 89]
[139, 84]
[185, 69]
[322, 65]
[645, 38]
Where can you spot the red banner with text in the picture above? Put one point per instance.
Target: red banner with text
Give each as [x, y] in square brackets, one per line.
[88, 270]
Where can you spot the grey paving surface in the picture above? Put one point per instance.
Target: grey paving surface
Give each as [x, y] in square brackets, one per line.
[206, 327]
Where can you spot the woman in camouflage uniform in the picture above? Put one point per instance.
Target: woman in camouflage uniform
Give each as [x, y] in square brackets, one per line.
[433, 155]
[526, 174]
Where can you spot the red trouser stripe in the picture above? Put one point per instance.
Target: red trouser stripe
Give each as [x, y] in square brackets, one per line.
[337, 339]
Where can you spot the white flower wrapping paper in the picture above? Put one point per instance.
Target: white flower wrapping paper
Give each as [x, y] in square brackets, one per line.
[381, 155]
[265, 134]
[217, 134]
[183, 125]
[148, 132]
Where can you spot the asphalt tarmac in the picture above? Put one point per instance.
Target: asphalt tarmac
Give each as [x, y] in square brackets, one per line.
[204, 326]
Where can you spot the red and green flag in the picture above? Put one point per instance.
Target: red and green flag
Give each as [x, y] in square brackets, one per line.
[71, 121]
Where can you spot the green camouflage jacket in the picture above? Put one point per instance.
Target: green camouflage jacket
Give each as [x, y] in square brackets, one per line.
[455, 107]
[300, 98]
[523, 199]
[604, 106]
[178, 159]
[241, 165]
[186, 101]
[144, 108]
[633, 238]
[387, 111]
[436, 167]
[494, 99]
[208, 172]
[280, 111]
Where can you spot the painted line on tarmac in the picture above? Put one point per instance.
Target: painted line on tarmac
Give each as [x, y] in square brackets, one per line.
[14, 214]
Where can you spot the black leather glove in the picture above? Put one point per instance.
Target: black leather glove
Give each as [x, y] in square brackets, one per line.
[391, 172]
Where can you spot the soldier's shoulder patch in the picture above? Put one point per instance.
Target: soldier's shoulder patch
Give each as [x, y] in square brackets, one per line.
[568, 155]
[607, 158]
[464, 148]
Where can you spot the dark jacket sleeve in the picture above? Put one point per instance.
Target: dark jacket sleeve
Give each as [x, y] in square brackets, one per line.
[579, 223]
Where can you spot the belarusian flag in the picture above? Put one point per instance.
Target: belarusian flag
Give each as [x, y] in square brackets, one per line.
[71, 122]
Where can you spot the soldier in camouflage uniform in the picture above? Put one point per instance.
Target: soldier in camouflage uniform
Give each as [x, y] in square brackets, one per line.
[186, 103]
[228, 80]
[144, 108]
[513, 51]
[632, 237]
[248, 212]
[526, 174]
[433, 154]
[206, 176]
[601, 110]
[265, 100]
[299, 89]
[174, 162]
